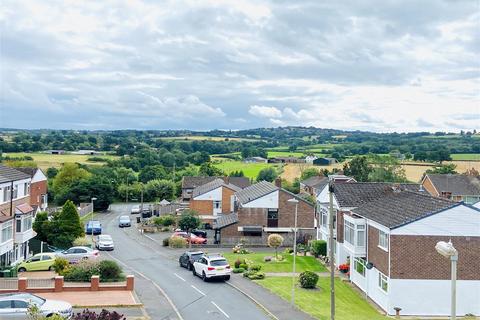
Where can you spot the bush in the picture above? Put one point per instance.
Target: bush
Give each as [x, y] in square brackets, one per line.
[279, 258]
[274, 241]
[248, 273]
[257, 276]
[166, 242]
[83, 241]
[177, 242]
[103, 315]
[109, 270]
[238, 262]
[59, 265]
[238, 270]
[319, 248]
[308, 279]
[288, 250]
[166, 220]
[243, 265]
[165, 229]
[267, 258]
[82, 271]
[255, 267]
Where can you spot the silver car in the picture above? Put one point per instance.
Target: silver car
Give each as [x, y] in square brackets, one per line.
[124, 221]
[75, 254]
[135, 209]
[104, 242]
[15, 306]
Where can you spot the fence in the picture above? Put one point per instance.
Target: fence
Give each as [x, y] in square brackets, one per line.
[9, 284]
[33, 283]
[85, 208]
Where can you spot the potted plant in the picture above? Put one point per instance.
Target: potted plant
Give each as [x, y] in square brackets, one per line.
[344, 268]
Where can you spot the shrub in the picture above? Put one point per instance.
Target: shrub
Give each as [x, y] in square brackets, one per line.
[82, 271]
[238, 270]
[165, 229]
[279, 258]
[308, 279]
[274, 241]
[238, 262]
[83, 241]
[248, 273]
[257, 276]
[59, 265]
[177, 242]
[267, 258]
[166, 242]
[288, 250]
[243, 265]
[109, 270]
[103, 315]
[166, 220]
[319, 248]
[255, 267]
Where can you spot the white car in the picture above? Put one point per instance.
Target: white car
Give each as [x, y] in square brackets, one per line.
[15, 306]
[209, 267]
[76, 254]
[104, 242]
[135, 209]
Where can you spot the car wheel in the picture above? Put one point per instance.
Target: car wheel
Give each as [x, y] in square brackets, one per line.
[204, 276]
[189, 266]
[227, 278]
[180, 263]
[50, 268]
[22, 269]
[193, 271]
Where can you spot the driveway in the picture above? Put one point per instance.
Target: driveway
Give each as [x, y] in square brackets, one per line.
[166, 290]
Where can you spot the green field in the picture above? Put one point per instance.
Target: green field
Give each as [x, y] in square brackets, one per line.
[250, 170]
[349, 304]
[45, 160]
[302, 263]
[465, 156]
[272, 154]
[207, 138]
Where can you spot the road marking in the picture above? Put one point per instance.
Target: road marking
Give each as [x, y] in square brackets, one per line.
[176, 275]
[224, 313]
[198, 290]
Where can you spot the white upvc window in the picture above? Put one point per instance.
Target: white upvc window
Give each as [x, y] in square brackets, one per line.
[324, 213]
[6, 194]
[217, 204]
[360, 235]
[26, 189]
[354, 233]
[349, 231]
[7, 231]
[27, 223]
[383, 240]
[382, 281]
[15, 191]
[360, 265]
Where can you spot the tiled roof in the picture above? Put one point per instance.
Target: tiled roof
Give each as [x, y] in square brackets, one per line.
[189, 182]
[24, 208]
[354, 194]
[8, 174]
[255, 191]
[212, 186]
[225, 220]
[30, 171]
[457, 184]
[315, 181]
[397, 208]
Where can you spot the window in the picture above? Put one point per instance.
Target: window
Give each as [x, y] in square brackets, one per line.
[382, 282]
[19, 304]
[46, 258]
[18, 224]
[27, 223]
[359, 265]
[324, 213]
[35, 259]
[26, 190]
[361, 235]
[5, 304]
[15, 191]
[6, 194]
[383, 240]
[217, 204]
[349, 232]
[272, 218]
[80, 251]
[7, 231]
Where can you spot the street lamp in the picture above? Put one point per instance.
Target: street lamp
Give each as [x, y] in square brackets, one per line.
[447, 250]
[91, 218]
[294, 201]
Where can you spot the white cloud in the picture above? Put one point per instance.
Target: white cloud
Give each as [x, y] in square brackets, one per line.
[266, 112]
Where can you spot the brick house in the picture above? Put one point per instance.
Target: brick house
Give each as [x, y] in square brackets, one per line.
[262, 209]
[314, 185]
[213, 199]
[189, 183]
[16, 216]
[456, 187]
[38, 188]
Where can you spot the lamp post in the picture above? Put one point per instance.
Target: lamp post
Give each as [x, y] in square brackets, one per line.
[331, 243]
[447, 250]
[294, 201]
[91, 218]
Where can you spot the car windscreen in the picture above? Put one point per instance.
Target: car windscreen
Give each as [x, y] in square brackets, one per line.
[217, 263]
[105, 238]
[196, 256]
[32, 298]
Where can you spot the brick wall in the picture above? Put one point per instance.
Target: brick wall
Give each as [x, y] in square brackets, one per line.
[286, 212]
[415, 257]
[340, 226]
[376, 255]
[202, 206]
[427, 185]
[6, 206]
[37, 189]
[226, 199]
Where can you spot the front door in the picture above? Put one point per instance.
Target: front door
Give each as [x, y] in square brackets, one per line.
[272, 218]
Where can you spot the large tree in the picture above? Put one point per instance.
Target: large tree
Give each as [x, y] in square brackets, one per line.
[69, 174]
[358, 168]
[65, 226]
[267, 174]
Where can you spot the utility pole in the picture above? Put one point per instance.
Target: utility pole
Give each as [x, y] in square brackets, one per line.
[331, 257]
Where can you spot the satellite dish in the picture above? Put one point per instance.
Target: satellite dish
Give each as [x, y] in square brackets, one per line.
[369, 265]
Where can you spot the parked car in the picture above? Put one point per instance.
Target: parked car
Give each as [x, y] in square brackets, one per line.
[39, 262]
[208, 267]
[193, 238]
[135, 209]
[104, 242]
[124, 221]
[15, 306]
[188, 258]
[93, 227]
[200, 233]
[75, 254]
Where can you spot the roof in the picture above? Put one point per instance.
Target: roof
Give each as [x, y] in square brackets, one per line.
[24, 208]
[397, 208]
[354, 194]
[457, 184]
[315, 181]
[189, 182]
[212, 185]
[225, 220]
[256, 191]
[8, 174]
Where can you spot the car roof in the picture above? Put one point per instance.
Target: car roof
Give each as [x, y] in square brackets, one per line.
[195, 252]
[80, 247]
[215, 257]
[23, 295]
[125, 217]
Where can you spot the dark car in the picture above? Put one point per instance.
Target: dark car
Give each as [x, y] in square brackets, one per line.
[187, 259]
[200, 233]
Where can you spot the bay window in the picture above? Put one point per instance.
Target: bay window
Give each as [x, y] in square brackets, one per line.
[349, 232]
[354, 233]
[7, 231]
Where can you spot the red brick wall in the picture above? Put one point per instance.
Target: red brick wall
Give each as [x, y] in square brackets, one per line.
[376, 255]
[202, 206]
[37, 189]
[286, 212]
[226, 199]
[415, 257]
[246, 217]
[340, 226]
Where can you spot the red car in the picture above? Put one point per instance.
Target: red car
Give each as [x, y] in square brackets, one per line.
[193, 238]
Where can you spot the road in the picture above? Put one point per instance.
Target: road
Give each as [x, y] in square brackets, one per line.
[156, 269]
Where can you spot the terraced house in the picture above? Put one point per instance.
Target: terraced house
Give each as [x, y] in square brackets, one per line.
[16, 215]
[456, 187]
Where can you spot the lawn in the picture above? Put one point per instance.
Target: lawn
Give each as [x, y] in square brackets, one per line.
[250, 170]
[466, 156]
[302, 263]
[272, 154]
[45, 160]
[349, 304]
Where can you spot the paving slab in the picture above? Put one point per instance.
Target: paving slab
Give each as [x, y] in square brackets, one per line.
[94, 298]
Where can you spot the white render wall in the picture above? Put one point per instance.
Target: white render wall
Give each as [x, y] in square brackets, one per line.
[213, 195]
[21, 188]
[269, 201]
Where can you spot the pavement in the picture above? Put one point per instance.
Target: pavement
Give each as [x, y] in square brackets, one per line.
[94, 298]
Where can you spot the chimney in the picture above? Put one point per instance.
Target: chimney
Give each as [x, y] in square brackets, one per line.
[278, 182]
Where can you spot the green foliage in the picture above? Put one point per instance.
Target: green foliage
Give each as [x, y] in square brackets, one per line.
[318, 248]
[238, 262]
[65, 226]
[243, 265]
[84, 190]
[255, 267]
[156, 172]
[308, 173]
[358, 168]
[59, 265]
[177, 242]
[386, 169]
[166, 220]
[238, 270]
[254, 275]
[189, 220]
[274, 241]
[206, 169]
[69, 174]
[159, 190]
[308, 279]
[40, 226]
[237, 173]
[51, 172]
[443, 169]
[267, 174]
[109, 270]
[251, 151]
[83, 241]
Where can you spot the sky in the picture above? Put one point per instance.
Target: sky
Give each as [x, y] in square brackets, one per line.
[355, 65]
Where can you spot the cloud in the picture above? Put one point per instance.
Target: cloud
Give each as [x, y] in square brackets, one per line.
[266, 112]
